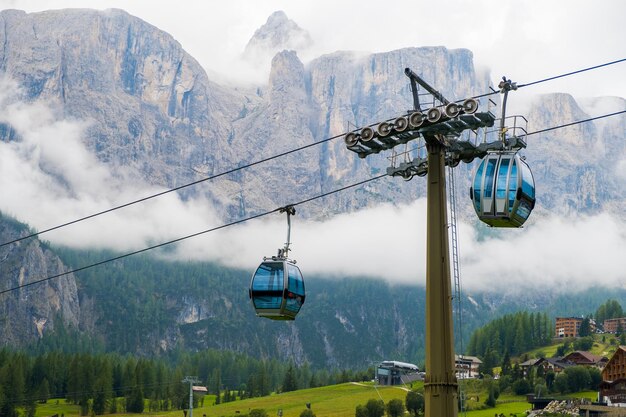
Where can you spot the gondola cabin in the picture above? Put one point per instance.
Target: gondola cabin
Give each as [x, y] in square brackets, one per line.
[277, 289]
[503, 190]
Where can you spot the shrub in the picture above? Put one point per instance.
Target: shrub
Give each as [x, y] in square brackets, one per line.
[521, 387]
[414, 402]
[307, 412]
[360, 411]
[395, 408]
[375, 408]
[257, 412]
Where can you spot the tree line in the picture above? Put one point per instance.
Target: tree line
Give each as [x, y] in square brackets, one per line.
[513, 333]
[113, 383]
[522, 331]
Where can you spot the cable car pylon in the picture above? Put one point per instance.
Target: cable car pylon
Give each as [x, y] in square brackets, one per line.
[440, 127]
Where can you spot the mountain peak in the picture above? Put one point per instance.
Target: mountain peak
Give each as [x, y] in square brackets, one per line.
[277, 34]
[277, 17]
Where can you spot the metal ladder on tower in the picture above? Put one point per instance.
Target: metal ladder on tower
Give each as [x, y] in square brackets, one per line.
[456, 273]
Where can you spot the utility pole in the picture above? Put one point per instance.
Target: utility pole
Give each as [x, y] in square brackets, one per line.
[440, 127]
[191, 380]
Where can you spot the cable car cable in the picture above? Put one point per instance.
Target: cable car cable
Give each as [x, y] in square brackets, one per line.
[572, 73]
[230, 171]
[212, 177]
[575, 123]
[259, 215]
[126, 255]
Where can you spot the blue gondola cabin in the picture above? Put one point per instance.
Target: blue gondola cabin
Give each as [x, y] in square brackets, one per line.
[273, 296]
[503, 190]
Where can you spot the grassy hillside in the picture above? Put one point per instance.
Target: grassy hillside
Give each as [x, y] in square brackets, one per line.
[333, 401]
[341, 400]
[603, 345]
[336, 401]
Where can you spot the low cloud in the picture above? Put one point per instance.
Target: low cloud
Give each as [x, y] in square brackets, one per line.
[389, 242]
[48, 177]
[383, 242]
[571, 253]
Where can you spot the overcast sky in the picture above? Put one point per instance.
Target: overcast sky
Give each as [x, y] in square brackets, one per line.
[525, 40]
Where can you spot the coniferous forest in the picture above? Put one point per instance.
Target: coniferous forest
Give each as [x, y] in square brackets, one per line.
[513, 333]
[112, 383]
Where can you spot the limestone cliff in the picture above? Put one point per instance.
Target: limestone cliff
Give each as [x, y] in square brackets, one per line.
[28, 313]
[150, 104]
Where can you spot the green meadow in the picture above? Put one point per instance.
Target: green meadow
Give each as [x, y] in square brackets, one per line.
[332, 401]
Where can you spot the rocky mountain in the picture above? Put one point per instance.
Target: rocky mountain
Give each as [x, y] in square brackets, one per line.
[150, 105]
[29, 313]
[153, 111]
[155, 117]
[279, 33]
[577, 167]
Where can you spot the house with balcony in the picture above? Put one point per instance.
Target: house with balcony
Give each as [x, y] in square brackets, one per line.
[613, 386]
[580, 357]
[467, 366]
[614, 325]
[565, 327]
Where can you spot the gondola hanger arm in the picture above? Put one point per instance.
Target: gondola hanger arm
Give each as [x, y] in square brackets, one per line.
[505, 86]
[290, 210]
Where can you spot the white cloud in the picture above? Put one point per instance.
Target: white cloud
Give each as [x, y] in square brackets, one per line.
[384, 241]
[48, 177]
[554, 252]
[390, 242]
[51, 178]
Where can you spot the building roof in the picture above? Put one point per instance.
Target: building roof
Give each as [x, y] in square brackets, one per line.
[588, 356]
[398, 365]
[556, 362]
[611, 384]
[530, 362]
[473, 359]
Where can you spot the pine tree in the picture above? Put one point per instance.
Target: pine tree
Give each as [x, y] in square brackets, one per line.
[216, 379]
[289, 382]
[585, 328]
[263, 382]
[506, 364]
[134, 402]
[74, 380]
[489, 362]
[43, 393]
[491, 398]
[251, 388]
